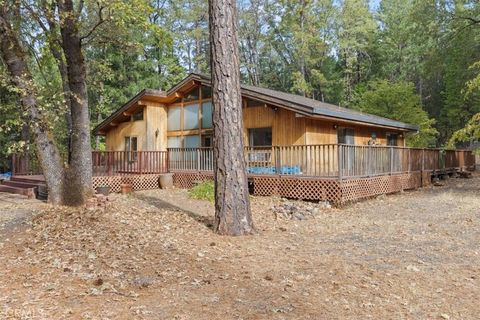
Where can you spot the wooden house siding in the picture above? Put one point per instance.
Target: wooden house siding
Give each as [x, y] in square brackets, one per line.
[288, 127]
[156, 117]
[115, 138]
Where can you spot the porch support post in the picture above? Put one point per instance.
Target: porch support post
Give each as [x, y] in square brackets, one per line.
[276, 149]
[391, 160]
[339, 161]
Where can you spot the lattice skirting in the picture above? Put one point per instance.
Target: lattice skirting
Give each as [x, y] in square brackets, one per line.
[334, 191]
[303, 188]
[298, 188]
[357, 189]
[187, 179]
[138, 182]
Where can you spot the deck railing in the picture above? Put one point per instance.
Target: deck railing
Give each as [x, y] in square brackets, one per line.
[109, 163]
[328, 160]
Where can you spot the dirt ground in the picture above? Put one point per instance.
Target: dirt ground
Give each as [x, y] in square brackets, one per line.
[153, 255]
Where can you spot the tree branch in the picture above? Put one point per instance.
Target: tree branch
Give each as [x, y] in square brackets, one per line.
[98, 24]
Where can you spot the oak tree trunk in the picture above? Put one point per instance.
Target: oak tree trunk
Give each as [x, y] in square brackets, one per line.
[79, 172]
[14, 58]
[232, 203]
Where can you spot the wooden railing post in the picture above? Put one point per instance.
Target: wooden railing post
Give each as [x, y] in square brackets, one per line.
[391, 160]
[339, 161]
[198, 159]
[409, 168]
[277, 159]
[423, 159]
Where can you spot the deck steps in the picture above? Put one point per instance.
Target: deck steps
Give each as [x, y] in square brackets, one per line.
[24, 185]
[28, 179]
[29, 192]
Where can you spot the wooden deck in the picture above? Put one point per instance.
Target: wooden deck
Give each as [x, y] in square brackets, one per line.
[335, 173]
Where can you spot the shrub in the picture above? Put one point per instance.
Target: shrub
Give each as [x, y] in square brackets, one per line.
[203, 191]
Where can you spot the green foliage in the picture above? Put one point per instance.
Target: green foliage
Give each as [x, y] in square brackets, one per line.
[203, 191]
[398, 101]
[471, 132]
[341, 52]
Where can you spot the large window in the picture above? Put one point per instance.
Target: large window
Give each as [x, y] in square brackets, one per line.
[192, 95]
[346, 136]
[206, 92]
[192, 141]
[392, 139]
[260, 137]
[174, 142]
[173, 118]
[190, 117]
[207, 115]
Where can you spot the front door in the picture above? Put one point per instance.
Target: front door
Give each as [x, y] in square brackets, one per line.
[346, 136]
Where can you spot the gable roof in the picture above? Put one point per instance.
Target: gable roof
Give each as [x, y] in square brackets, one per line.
[302, 105]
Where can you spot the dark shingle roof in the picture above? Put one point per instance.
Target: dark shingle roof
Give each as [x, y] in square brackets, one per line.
[330, 110]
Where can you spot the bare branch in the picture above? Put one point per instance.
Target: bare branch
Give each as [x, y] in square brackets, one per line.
[98, 24]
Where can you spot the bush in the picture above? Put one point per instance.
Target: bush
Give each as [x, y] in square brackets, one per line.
[203, 191]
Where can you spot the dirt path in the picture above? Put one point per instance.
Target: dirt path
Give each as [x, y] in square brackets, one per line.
[15, 212]
[152, 255]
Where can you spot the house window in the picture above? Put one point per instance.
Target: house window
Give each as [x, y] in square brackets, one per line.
[192, 95]
[346, 136]
[207, 141]
[190, 117]
[192, 141]
[260, 137]
[138, 116]
[206, 92]
[174, 142]
[206, 115]
[392, 139]
[131, 148]
[173, 118]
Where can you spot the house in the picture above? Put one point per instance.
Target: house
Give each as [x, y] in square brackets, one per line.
[295, 147]
[182, 118]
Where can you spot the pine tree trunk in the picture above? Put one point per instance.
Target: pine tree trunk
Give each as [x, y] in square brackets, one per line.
[232, 204]
[14, 59]
[79, 173]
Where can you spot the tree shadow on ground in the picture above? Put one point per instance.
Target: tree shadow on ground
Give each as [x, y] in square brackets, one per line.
[162, 204]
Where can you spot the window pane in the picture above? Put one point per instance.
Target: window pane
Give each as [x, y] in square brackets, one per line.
[134, 143]
[260, 137]
[192, 95]
[190, 120]
[173, 118]
[206, 92]
[207, 141]
[127, 143]
[206, 115]
[392, 139]
[192, 141]
[174, 142]
[346, 136]
[138, 116]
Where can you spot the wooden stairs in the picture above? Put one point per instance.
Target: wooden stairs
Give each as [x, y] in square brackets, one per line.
[24, 185]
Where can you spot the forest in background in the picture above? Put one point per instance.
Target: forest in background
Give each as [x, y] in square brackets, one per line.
[417, 61]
